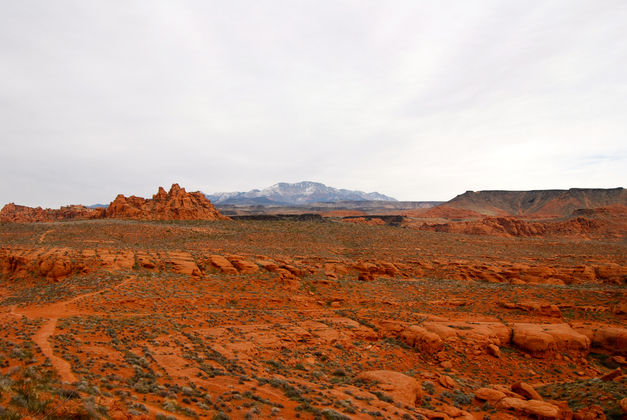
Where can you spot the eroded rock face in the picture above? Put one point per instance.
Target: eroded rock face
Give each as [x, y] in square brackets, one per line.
[176, 204]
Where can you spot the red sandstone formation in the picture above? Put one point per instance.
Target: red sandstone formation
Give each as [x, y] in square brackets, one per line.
[177, 204]
[596, 222]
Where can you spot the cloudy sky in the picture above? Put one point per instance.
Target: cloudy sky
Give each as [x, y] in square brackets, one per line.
[420, 100]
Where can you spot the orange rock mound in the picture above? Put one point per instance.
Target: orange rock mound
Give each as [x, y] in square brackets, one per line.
[177, 204]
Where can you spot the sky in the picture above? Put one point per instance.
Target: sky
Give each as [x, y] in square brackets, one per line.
[419, 100]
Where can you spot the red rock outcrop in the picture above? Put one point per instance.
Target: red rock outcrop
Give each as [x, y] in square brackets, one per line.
[177, 204]
[24, 214]
[511, 226]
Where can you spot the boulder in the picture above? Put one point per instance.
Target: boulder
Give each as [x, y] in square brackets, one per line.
[483, 333]
[540, 339]
[611, 338]
[244, 266]
[400, 387]
[527, 391]
[222, 264]
[447, 382]
[421, 339]
[493, 350]
[540, 409]
[489, 394]
[183, 263]
[610, 376]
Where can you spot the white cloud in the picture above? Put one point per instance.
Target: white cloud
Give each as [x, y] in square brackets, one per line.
[415, 100]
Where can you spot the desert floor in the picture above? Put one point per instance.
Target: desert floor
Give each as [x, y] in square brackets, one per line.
[260, 319]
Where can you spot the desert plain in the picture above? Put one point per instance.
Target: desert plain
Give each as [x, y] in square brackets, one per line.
[129, 318]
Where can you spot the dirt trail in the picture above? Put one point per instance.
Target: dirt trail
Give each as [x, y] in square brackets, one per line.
[41, 339]
[53, 312]
[43, 235]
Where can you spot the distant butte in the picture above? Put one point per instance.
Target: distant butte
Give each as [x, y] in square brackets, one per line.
[536, 203]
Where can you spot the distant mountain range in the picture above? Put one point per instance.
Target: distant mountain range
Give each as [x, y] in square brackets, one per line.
[300, 193]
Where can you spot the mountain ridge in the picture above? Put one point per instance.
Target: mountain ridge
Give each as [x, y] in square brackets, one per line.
[299, 193]
[539, 203]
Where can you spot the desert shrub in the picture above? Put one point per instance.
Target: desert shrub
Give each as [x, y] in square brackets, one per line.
[429, 387]
[458, 397]
[331, 414]
[383, 397]
[68, 394]
[164, 417]
[27, 397]
[7, 414]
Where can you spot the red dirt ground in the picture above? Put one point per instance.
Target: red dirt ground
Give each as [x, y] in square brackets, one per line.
[284, 319]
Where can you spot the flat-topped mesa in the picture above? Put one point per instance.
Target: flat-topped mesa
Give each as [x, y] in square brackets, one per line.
[176, 204]
[536, 203]
[24, 214]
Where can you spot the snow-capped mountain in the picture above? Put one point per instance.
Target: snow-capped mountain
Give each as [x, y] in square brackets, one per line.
[300, 193]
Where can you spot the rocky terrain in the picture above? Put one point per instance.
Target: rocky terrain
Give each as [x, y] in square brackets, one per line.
[304, 316]
[583, 223]
[177, 204]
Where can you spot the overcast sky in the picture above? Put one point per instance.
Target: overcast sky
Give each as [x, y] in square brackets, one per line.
[420, 100]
